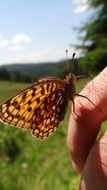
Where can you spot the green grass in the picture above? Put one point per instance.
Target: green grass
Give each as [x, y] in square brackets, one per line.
[30, 164]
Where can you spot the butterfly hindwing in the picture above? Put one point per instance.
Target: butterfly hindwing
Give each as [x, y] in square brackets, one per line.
[50, 114]
[38, 108]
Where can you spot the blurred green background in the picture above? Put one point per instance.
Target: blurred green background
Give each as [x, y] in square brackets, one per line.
[26, 162]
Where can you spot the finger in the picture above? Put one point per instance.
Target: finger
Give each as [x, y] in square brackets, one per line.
[94, 174]
[84, 126]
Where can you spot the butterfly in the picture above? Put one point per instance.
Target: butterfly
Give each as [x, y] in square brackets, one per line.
[40, 107]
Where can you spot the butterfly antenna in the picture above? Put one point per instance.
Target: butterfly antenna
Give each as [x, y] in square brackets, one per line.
[73, 55]
[67, 60]
[68, 63]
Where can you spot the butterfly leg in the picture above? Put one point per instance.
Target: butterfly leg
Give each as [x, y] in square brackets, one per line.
[85, 98]
[79, 119]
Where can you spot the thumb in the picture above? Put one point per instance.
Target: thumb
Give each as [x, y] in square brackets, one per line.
[84, 126]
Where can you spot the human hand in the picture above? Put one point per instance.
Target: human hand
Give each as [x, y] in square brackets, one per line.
[89, 156]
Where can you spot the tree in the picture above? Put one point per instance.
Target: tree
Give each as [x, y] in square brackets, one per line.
[4, 74]
[94, 40]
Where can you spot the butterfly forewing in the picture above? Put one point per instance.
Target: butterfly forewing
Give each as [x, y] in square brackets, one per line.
[39, 108]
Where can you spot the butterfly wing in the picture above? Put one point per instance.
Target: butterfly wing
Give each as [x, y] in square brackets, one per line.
[51, 112]
[39, 108]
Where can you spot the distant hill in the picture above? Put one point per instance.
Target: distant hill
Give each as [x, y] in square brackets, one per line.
[35, 71]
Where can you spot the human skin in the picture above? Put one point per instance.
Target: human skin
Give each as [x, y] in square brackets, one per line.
[89, 156]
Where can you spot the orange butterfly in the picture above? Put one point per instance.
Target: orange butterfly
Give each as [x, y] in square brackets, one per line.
[41, 106]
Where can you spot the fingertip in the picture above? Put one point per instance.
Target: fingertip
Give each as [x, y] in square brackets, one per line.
[80, 139]
[74, 143]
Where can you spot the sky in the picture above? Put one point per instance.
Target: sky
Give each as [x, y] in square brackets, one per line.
[39, 30]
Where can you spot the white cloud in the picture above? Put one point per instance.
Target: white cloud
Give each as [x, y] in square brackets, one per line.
[81, 6]
[19, 42]
[17, 48]
[20, 38]
[3, 42]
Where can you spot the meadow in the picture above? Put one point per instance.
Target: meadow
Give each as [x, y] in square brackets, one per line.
[30, 164]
